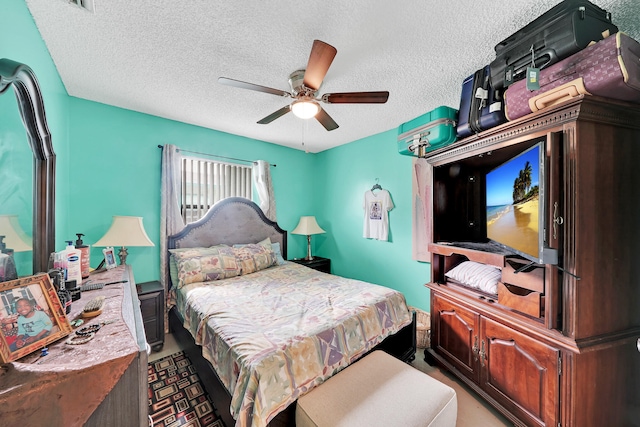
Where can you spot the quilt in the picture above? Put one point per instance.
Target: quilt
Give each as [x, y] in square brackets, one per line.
[275, 334]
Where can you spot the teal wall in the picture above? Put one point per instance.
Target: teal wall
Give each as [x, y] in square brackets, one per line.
[109, 164]
[115, 170]
[347, 172]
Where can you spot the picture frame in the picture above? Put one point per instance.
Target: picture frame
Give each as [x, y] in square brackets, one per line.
[109, 258]
[31, 316]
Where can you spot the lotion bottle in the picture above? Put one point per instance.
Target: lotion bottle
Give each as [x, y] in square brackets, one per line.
[85, 265]
[73, 256]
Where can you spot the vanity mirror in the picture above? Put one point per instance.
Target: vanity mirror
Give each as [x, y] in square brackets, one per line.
[21, 79]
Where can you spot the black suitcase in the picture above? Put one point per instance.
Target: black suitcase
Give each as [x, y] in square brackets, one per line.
[563, 30]
[481, 107]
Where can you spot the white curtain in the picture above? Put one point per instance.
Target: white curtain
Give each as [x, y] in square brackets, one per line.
[422, 215]
[262, 181]
[170, 216]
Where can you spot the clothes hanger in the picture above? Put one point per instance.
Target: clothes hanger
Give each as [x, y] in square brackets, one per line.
[376, 186]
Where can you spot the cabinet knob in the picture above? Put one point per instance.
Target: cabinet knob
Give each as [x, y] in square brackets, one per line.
[483, 355]
[638, 344]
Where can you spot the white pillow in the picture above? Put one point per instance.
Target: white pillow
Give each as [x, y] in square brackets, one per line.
[477, 275]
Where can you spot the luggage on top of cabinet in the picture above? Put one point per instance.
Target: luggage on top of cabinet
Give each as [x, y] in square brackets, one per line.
[428, 132]
[563, 30]
[481, 106]
[609, 68]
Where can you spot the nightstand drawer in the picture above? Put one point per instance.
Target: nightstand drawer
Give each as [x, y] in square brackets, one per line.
[149, 306]
[151, 296]
[317, 263]
[152, 333]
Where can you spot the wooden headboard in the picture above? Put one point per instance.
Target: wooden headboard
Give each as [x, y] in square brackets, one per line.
[230, 221]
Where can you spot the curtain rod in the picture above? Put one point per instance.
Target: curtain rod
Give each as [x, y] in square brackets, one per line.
[213, 155]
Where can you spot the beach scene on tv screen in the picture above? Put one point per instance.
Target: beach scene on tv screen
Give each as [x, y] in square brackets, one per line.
[512, 203]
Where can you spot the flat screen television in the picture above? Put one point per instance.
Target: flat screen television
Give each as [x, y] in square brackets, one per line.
[515, 202]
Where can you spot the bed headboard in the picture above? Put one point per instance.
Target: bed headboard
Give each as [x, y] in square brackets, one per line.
[230, 221]
[234, 220]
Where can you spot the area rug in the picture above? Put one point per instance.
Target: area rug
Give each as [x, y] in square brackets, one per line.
[177, 397]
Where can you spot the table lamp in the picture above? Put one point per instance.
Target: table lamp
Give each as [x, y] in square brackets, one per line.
[12, 237]
[125, 231]
[308, 226]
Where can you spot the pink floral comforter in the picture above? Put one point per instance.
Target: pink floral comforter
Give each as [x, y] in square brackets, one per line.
[275, 334]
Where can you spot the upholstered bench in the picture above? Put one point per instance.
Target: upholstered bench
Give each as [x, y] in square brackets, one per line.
[378, 390]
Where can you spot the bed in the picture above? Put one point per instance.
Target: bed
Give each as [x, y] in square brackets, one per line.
[263, 331]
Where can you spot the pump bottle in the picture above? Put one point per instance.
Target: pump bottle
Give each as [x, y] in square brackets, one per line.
[85, 265]
[73, 263]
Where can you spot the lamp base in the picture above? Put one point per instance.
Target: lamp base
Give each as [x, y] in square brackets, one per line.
[309, 257]
[122, 254]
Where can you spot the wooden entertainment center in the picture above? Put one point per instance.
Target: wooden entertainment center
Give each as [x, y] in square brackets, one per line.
[557, 345]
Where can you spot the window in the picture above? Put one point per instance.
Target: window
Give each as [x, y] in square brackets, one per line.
[206, 182]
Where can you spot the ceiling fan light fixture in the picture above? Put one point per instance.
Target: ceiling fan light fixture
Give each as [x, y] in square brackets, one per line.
[305, 109]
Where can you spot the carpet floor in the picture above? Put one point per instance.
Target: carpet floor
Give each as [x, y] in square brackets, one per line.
[176, 395]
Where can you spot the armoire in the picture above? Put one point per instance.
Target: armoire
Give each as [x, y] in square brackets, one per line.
[558, 344]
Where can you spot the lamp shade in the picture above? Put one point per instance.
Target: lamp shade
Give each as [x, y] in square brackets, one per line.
[308, 226]
[125, 231]
[14, 236]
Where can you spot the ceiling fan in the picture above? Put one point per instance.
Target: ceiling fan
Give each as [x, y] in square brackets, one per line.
[304, 88]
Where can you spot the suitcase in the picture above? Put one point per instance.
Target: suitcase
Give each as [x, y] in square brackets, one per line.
[563, 30]
[481, 106]
[609, 68]
[428, 132]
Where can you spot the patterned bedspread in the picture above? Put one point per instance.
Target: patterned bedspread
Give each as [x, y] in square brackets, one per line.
[275, 334]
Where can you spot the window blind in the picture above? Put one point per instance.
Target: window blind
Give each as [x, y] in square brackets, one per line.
[205, 182]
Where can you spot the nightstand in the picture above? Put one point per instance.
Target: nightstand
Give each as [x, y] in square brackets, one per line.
[151, 295]
[317, 263]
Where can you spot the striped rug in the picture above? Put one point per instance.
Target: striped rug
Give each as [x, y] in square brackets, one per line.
[177, 397]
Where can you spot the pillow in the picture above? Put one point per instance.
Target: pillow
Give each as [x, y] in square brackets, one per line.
[205, 264]
[477, 275]
[276, 250]
[173, 265]
[173, 272]
[266, 243]
[254, 257]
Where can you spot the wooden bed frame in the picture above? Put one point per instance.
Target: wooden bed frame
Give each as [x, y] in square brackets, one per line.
[238, 220]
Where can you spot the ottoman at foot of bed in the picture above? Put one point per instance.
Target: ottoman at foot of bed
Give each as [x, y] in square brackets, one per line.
[378, 390]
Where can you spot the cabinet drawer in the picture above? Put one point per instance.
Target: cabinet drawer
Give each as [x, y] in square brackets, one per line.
[521, 299]
[149, 308]
[531, 278]
[151, 331]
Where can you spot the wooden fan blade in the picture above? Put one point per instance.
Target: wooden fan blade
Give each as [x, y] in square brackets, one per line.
[251, 86]
[271, 117]
[320, 60]
[326, 120]
[356, 97]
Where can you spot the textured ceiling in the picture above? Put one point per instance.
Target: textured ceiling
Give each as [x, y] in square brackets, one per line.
[164, 57]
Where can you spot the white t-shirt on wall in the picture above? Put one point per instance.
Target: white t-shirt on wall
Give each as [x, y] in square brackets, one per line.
[376, 218]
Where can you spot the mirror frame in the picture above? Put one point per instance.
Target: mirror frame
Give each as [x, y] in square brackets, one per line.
[31, 106]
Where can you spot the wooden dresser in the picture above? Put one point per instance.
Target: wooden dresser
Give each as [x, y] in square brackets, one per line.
[100, 383]
[563, 350]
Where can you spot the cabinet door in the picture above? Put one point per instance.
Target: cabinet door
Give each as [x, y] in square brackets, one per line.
[455, 336]
[520, 373]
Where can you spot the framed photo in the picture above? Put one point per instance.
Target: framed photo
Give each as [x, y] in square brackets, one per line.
[31, 316]
[109, 258]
